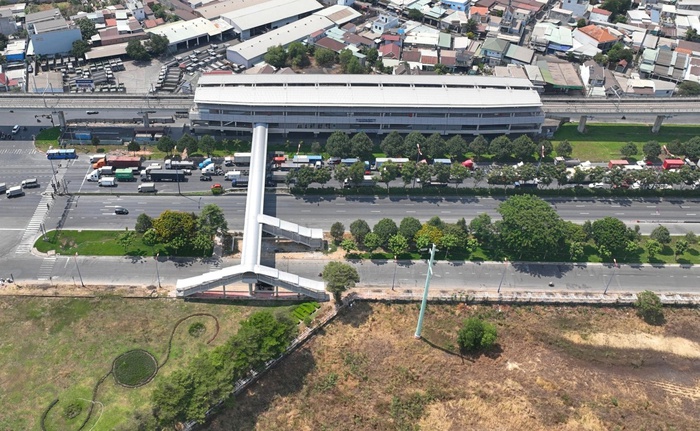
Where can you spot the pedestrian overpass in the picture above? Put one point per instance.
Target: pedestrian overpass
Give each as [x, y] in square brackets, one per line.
[250, 270]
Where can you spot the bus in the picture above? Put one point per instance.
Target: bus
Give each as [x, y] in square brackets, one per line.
[61, 154]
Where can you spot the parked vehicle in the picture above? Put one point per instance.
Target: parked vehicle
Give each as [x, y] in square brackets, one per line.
[205, 163]
[673, 164]
[161, 175]
[177, 164]
[96, 157]
[30, 183]
[94, 175]
[241, 159]
[125, 174]
[63, 153]
[228, 161]
[107, 182]
[14, 192]
[367, 181]
[231, 175]
[147, 188]
[118, 162]
[209, 169]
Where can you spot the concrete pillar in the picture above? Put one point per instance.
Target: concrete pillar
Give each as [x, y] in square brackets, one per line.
[657, 124]
[224, 291]
[146, 123]
[277, 291]
[582, 124]
[250, 289]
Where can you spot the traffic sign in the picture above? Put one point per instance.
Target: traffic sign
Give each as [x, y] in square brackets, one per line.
[85, 83]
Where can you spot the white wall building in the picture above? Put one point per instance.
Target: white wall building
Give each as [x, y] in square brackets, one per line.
[467, 105]
[50, 34]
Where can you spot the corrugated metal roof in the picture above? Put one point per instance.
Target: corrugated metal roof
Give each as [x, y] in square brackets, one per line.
[269, 12]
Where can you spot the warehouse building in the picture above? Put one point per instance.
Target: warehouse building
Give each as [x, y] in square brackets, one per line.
[468, 105]
[257, 19]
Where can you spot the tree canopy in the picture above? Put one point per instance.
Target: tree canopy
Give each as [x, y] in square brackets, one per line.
[137, 51]
[339, 277]
[530, 227]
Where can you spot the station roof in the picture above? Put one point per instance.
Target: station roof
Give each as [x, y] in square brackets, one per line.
[367, 91]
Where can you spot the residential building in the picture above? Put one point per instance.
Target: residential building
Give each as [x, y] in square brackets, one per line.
[493, 49]
[560, 76]
[551, 39]
[563, 16]
[136, 9]
[601, 37]
[458, 5]
[519, 55]
[467, 105]
[384, 23]
[599, 15]
[8, 24]
[665, 64]
[578, 8]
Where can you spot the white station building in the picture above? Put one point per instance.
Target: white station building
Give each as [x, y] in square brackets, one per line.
[467, 105]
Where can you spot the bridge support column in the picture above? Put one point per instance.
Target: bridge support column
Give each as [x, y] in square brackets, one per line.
[146, 123]
[657, 124]
[582, 124]
[250, 289]
[224, 291]
[277, 291]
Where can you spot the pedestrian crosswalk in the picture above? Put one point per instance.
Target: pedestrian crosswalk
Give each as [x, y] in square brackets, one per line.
[46, 268]
[29, 151]
[30, 233]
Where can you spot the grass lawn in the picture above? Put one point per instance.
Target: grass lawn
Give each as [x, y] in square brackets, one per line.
[602, 141]
[47, 138]
[59, 348]
[99, 243]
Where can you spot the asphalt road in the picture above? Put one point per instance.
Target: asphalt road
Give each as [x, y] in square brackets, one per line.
[97, 212]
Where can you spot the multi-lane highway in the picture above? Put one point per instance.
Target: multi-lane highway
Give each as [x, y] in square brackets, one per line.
[96, 212]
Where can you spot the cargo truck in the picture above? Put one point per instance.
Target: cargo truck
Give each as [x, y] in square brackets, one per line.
[177, 164]
[241, 159]
[107, 182]
[176, 176]
[147, 188]
[14, 192]
[3, 187]
[209, 169]
[367, 181]
[118, 162]
[105, 171]
[231, 175]
[125, 174]
[673, 164]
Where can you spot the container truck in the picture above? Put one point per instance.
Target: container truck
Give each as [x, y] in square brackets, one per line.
[105, 170]
[125, 174]
[118, 162]
[209, 169]
[673, 164]
[176, 176]
[231, 175]
[147, 188]
[30, 183]
[107, 182]
[228, 161]
[177, 164]
[241, 159]
[617, 163]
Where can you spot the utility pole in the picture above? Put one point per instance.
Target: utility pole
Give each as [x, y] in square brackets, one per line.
[424, 303]
[503, 275]
[78, 268]
[157, 272]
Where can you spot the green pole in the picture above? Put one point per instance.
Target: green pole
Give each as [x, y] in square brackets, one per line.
[428, 276]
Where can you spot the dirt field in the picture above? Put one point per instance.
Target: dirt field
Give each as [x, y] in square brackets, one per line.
[559, 368]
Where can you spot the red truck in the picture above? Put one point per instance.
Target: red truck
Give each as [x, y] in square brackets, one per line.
[118, 162]
[673, 164]
[620, 163]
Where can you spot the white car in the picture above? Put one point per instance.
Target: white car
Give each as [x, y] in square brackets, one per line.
[596, 185]
[15, 129]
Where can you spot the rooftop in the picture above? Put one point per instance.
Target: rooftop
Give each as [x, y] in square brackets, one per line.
[600, 34]
[180, 31]
[268, 12]
[367, 91]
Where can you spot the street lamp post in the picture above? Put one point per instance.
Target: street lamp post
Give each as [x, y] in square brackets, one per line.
[503, 275]
[424, 303]
[53, 172]
[78, 268]
[157, 272]
[611, 276]
[417, 161]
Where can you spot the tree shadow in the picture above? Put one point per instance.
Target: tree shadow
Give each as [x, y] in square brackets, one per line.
[356, 314]
[494, 352]
[540, 270]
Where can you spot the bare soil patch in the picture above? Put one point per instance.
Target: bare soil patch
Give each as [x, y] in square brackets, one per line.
[554, 368]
